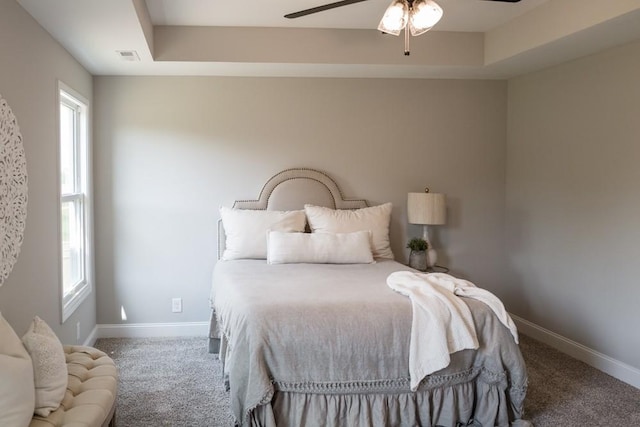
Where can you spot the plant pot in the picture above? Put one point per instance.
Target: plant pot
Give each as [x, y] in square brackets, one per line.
[418, 260]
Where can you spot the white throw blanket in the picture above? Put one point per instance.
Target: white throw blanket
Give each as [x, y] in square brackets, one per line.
[442, 322]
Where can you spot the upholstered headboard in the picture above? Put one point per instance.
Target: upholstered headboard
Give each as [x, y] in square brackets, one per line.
[291, 189]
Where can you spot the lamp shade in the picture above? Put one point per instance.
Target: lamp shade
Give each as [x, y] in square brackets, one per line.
[426, 208]
[423, 16]
[395, 17]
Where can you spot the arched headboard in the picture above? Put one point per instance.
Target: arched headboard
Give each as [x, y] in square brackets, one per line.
[293, 188]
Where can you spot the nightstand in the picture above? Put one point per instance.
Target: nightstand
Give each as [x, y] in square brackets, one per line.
[437, 269]
[434, 269]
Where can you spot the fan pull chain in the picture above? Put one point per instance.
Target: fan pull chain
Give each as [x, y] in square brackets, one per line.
[406, 41]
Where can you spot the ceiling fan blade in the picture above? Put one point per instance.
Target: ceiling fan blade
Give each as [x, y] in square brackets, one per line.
[322, 8]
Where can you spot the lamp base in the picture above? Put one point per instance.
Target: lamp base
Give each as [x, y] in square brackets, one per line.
[432, 257]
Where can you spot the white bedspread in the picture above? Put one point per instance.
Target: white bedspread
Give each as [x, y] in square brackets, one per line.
[442, 323]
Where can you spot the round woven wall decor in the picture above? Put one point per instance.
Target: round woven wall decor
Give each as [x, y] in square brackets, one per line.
[13, 189]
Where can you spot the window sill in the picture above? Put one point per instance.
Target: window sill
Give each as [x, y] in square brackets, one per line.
[70, 306]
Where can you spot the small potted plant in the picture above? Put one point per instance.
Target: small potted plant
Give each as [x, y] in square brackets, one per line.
[418, 254]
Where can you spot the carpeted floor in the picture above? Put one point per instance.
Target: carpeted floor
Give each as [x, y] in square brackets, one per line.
[564, 392]
[168, 382]
[176, 382]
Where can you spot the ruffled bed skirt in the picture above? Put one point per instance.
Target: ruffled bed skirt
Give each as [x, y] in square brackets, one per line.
[475, 403]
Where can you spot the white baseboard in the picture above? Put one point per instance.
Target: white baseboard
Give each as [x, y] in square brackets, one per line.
[609, 365]
[93, 336]
[150, 330]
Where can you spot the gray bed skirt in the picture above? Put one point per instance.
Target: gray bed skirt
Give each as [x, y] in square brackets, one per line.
[485, 404]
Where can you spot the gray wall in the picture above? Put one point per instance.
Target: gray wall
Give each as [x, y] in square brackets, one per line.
[30, 64]
[573, 200]
[170, 150]
[560, 198]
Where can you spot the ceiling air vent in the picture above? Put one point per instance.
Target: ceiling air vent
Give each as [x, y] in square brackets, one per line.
[128, 55]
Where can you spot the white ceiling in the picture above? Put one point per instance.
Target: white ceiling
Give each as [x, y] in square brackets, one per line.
[246, 38]
[460, 15]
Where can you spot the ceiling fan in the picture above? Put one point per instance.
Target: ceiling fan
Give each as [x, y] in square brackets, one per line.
[334, 5]
[418, 15]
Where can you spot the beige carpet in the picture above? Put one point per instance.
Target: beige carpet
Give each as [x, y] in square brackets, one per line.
[564, 392]
[175, 382]
[168, 382]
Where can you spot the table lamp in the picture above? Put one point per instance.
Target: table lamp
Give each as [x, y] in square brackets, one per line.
[427, 209]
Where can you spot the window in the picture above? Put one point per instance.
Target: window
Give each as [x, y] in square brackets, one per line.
[75, 217]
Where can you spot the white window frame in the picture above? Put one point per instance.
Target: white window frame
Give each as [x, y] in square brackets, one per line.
[71, 300]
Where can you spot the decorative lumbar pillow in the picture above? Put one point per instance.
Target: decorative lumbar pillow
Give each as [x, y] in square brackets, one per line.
[319, 248]
[49, 366]
[246, 230]
[375, 219]
[17, 395]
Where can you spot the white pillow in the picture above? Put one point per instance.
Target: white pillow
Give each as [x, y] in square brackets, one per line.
[49, 366]
[319, 248]
[17, 395]
[375, 219]
[246, 230]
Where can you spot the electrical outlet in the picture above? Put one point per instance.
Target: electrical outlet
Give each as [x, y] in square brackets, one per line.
[77, 332]
[176, 305]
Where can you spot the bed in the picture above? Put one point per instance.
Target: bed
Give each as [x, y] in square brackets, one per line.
[312, 340]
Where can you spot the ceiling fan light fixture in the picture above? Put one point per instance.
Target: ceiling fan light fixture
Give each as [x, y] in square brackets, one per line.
[395, 17]
[424, 14]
